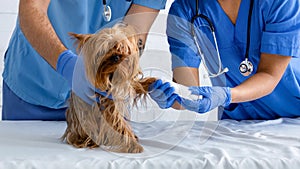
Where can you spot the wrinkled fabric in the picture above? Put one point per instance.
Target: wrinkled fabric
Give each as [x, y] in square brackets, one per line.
[174, 144]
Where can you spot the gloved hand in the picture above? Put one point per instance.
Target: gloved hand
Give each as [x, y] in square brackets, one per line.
[163, 94]
[212, 97]
[71, 66]
[82, 87]
[65, 65]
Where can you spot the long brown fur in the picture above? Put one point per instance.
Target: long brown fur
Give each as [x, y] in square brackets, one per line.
[104, 123]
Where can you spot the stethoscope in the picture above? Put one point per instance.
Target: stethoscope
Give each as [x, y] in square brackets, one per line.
[106, 11]
[245, 67]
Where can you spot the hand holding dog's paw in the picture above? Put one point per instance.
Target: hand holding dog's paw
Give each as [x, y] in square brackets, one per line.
[163, 94]
[212, 97]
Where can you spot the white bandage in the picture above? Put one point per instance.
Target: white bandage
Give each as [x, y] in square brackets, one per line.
[183, 91]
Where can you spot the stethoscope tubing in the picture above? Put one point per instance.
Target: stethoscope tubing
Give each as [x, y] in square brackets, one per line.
[212, 30]
[249, 65]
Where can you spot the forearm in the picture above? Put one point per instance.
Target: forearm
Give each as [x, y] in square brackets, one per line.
[142, 19]
[187, 76]
[38, 30]
[259, 85]
[269, 73]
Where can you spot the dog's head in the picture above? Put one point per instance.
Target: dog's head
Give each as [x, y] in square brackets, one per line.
[111, 57]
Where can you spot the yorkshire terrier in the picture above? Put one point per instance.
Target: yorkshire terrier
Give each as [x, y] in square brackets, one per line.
[111, 58]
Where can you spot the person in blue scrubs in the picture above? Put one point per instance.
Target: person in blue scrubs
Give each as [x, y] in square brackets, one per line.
[41, 55]
[272, 90]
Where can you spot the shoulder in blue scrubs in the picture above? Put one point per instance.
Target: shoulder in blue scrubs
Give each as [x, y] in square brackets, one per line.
[32, 89]
[275, 29]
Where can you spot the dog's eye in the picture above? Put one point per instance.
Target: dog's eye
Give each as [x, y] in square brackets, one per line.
[115, 58]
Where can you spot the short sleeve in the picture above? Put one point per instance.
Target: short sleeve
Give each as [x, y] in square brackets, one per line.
[282, 30]
[154, 4]
[180, 40]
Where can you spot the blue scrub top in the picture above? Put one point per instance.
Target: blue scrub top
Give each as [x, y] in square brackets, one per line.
[29, 76]
[275, 29]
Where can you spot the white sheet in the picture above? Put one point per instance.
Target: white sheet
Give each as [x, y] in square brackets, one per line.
[226, 144]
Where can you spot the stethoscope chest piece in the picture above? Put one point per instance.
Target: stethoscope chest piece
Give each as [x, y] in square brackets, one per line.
[246, 67]
[107, 13]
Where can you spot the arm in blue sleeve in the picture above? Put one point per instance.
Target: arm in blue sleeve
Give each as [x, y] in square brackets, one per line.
[282, 30]
[182, 47]
[156, 4]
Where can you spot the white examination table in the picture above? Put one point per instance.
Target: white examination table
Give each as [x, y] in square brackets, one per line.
[226, 144]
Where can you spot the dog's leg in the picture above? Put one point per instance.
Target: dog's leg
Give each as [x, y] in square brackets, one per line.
[115, 132]
[141, 88]
[75, 133]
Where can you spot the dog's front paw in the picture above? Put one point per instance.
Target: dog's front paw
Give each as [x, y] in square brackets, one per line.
[136, 148]
[146, 82]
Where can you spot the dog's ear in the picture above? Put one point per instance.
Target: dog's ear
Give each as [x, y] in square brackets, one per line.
[81, 39]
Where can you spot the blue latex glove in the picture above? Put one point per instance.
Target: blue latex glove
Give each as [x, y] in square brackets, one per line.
[72, 68]
[163, 94]
[82, 87]
[65, 65]
[212, 97]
